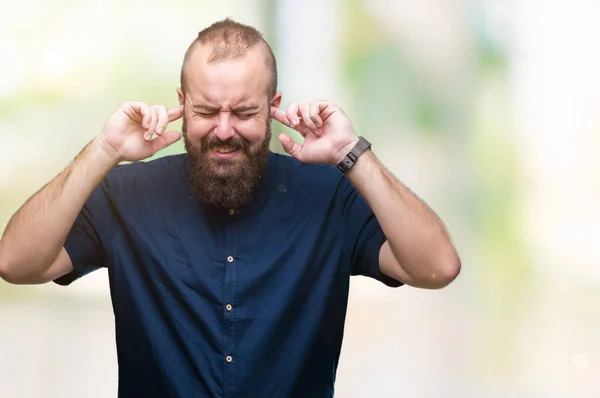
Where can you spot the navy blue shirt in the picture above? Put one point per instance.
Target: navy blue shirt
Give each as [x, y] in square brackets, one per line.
[214, 302]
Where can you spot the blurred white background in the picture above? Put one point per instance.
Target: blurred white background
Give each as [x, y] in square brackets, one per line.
[488, 109]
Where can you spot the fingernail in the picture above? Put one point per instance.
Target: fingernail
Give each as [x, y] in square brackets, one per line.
[295, 121]
[159, 130]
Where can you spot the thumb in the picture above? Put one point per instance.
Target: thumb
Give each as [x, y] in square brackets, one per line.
[290, 146]
[165, 139]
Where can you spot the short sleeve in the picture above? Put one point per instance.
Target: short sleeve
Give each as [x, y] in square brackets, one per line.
[364, 236]
[89, 237]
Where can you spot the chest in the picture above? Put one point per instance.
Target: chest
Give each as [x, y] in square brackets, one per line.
[272, 252]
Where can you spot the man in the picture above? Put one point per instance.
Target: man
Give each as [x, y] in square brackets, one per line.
[229, 265]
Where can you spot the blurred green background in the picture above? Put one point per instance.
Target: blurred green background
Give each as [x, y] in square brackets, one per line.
[487, 109]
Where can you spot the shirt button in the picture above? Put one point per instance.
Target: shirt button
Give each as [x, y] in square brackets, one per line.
[230, 259]
[228, 307]
[228, 358]
[231, 212]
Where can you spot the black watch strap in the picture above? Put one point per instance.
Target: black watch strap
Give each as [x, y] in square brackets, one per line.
[361, 146]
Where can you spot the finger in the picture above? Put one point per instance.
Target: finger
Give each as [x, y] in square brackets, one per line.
[142, 109]
[166, 139]
[175, 113]
[281, 117]
[315, 114]
[306, 117]
[153, 122]
[325, 109]
[163, 119]
[293, 114]
[290, 146]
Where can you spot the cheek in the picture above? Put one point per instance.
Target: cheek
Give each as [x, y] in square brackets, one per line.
[198, 128]
[252, 130]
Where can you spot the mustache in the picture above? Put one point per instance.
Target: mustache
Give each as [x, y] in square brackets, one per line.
[236, 143]
[211, 141]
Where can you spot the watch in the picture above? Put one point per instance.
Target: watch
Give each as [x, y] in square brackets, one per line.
[361, 146]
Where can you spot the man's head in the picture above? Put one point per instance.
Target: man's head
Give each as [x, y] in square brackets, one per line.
[228, 85]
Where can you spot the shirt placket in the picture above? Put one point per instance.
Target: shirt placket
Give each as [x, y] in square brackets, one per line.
[229, 306]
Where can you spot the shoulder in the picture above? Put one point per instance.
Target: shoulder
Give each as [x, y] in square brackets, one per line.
[304, 173]
[156, 173]
[156, 167]
[314, 181]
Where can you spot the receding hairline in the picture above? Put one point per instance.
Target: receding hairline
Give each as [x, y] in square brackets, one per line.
[230, 40]
[214, 57]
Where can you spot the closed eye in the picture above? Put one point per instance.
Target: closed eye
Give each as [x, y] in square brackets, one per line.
[245, 116]
[207, 115]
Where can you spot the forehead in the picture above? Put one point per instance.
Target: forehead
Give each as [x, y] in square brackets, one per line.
[226, 82]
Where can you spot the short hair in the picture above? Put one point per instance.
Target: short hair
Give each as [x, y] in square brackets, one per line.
[229, 40]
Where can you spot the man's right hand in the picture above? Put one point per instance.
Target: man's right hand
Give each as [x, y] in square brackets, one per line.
[31, 249]
[127, 133]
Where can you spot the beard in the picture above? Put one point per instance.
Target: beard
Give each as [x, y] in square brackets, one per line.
[226, 183]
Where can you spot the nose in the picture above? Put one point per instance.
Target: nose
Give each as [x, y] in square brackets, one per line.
[224, 129]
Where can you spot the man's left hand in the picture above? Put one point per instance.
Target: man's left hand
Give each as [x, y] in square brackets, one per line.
[327, 131]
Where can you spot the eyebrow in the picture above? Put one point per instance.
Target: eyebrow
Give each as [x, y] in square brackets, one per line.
[206, 108]
[245, 108]
[237, 109]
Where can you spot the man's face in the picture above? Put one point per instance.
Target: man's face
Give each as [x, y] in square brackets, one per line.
[227, 125]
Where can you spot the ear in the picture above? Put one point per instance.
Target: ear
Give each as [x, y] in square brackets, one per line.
[180, 96]
[276, 101]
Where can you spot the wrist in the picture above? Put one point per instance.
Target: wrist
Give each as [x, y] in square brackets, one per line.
[345, 150]
[363, 166]
[352, 156]
[104, 153]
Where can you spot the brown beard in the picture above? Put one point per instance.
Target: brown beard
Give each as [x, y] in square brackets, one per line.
[222, 182]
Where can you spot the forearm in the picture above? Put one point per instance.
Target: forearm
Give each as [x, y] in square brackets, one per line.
[36, 233]
[416, 236]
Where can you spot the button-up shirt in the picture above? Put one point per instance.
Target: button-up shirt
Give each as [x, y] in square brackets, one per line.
[211, 302]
